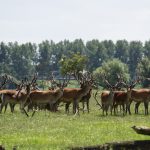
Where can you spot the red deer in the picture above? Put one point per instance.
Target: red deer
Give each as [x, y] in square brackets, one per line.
[139, 96]
[85, 99]
[123, 97]
[107, 97]
[47, 97]
[74, 95]
[17, 97]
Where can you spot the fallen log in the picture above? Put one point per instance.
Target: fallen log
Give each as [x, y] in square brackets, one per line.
[126, 145]
[141, 130]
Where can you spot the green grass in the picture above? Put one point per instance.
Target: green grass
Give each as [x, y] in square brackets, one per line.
[58, 131]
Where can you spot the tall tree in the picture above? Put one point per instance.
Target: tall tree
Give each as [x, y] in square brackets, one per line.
[110, 48]
[45, 53]
[144, 70]
[22, 57]
[96, 53]
[78, 46]
[147, 49]
[135, 56]
[122, 51]
[5, 61]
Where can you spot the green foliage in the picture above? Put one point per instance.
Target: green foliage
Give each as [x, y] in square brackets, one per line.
[97, 53]
[135, 55]
[122, 51]
[147, 49]
[44, 58]
[24, 59]
[5, 61]
[73, 64]
[144, 70]
[111, 68]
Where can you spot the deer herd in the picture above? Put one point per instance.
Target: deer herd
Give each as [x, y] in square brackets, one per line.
[29, 96]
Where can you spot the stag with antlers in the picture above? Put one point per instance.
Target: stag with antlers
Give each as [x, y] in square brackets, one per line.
[123, 98]
[107, 97]
[74, 95]
[50, 97]
[19, 96]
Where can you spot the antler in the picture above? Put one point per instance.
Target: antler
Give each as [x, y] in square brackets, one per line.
[5, 78]
[132, 84]
[106, 81]
[66, 80]
[95, 97]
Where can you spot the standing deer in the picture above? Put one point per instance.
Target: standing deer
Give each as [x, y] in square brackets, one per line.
[141, 96]
[17, 97]
[74, 95]
[123, 97]
[50, 97]
[107, 97]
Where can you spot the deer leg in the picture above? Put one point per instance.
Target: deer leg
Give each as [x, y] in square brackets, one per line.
[115, 106]
[107, 110]
[83, 106]
[22, 108]
[25, 112]
[76, 107]
[111, 109]
[33, 113]
[5, 107]
[1, 107]
[146, 108]
[67, 108]
[103, 108]
[128, 109]
[123, 109]
[12, 107]
[87, 103]
[136, 107]
[2, 102]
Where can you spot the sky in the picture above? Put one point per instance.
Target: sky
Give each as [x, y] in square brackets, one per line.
[39, 20]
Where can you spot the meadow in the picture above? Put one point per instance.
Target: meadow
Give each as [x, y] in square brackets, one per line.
[59, 131]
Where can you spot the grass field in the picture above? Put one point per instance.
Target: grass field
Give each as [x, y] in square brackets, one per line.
[58, 131]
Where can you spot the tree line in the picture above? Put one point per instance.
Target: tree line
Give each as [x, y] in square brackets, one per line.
[26, 59]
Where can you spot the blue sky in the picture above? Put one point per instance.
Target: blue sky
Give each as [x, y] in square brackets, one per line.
[38, 20]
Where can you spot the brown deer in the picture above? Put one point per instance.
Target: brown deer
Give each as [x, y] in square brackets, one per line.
[50, 97]
[122, 98]
[17, 96]
[85, 100]
[107, 97]
[74, 95]
[141, 96]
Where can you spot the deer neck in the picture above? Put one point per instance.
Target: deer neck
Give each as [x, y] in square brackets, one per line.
[129, 93]
[59, 92]
[85, 89]
[111, 94]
